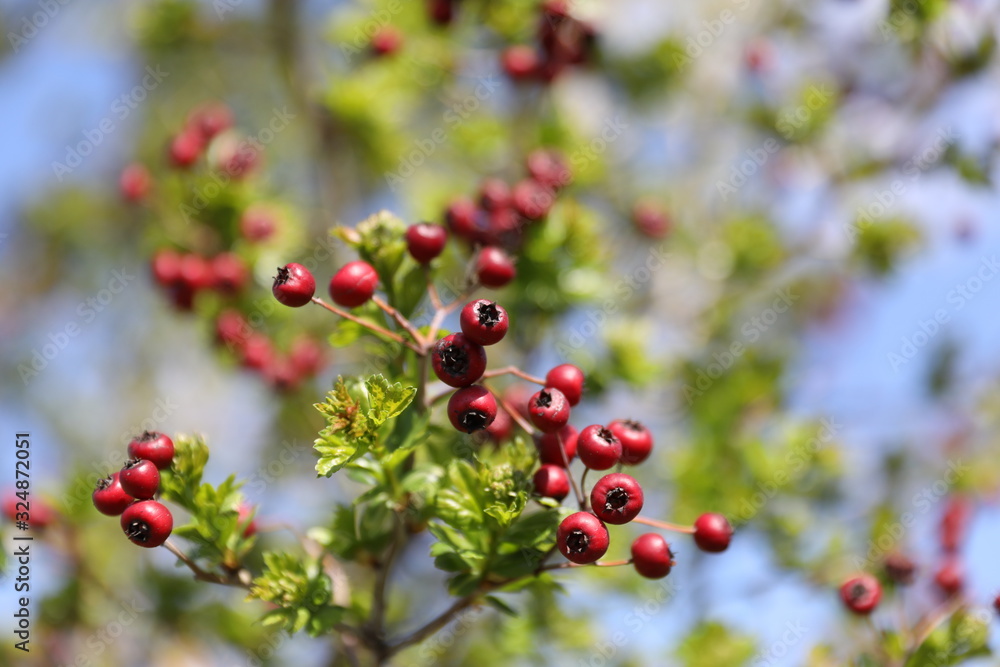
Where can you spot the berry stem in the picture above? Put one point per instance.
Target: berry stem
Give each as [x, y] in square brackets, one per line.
[516, 416]
[368, 325]
[233, 580]
[576, 489]
[927, 625]
[432, 289]
[513, 370]
[665, 525]
[403, 322]
[567, 564]
[443, 311]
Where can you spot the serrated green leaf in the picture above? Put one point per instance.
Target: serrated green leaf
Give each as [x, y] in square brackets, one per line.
[335, 452]
[386, 400]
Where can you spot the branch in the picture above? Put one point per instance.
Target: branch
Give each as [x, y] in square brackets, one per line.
[516, 416]
[665, 525]
[513, 370]
[202, 575]
[403, 322]
[368, 325]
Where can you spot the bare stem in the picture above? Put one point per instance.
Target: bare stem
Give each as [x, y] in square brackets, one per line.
[201, 574]
[402, 321]
[576, 488]
[665, 525]
[368, 325]
[436, 623]
[513, 370]
[516, 416]
[432, 289]
[567, 564]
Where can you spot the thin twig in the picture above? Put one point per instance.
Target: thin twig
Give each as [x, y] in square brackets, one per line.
[436, 623]
[432, 289]
[368, 325]
[567, 564]
[201, 574]
[665, 525]
[576, 489]
[516, 416]
[513, 370]
[402, 321]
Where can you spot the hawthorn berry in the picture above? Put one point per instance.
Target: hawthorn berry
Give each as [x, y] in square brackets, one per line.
[246, 517]
[548, 446]
[494, 194]
[616, 498]
[140, 478]
[637, 441]
[651, 556]
[650, 220]
[532, 200]
[166, 267]
[231, 328]
[109, 497]
[294, 285]
[712, 532]
[483, 321]
[306, 356]
[230, 272]
[257, 224]
[354, 284]
[568, 379]
[210, 120]
[425, 241]
[996, 603]
[950, 577]
[548, 167]
[185, 148]
[135, 183]
[281, 374]
[548, 410]
[598, 447]
[503, 228]
[153, 446]
[256, 351]
[387, 40]
[42, 513]
[520, 62]
[552, 482]
[900, 568]
[472, 408]
[461, 218]
[147, 523]
[494, 267]
[195, 272]
[861, 593]
[502, 427]
[955, 523]
[458, 361]
[582, 538]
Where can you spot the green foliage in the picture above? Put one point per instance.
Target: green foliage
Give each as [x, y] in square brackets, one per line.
[714, 645]
[881, 244]
[302, 591]
[962, 637]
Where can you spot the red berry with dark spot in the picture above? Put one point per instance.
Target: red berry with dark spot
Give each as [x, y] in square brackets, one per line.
[153, 446]
[900, 568]
[532, 200]
[425, 241]
[354, 284]
[552, 482]
[950, 577]
[109, 497]
[294, 286]
[651, 556]
[712, 533]
[140, 478]
[502, 427]
[458, 361]
[281, 374]
[616, 498]
[483, 321]
[568, 379]
[582, 538]
[230, 272]
[387, 40]
[520, 62]
[637, 441]
[494, 194]
[185, 148]
[549, 448]
[246, 518]
[135, 183]
[461, 219]
[494, 267]
[472, 409]
[548, 410]
[861, 594]
[147, 523]
[598, 447]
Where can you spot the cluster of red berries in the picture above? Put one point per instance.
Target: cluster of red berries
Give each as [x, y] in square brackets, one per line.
[283, 370]
[563, 41]
[502, 212]
[183, 275]
[129, 492]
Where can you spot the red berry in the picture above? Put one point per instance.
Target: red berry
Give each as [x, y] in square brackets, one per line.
[712, 533]
[483, 321]
[582, 538]
[140, 478]
[548, 410]
[598, 447]
[425, 241]
[955, 523]
[461, 218]
[257, 224]
[245, 517]
[257, 351]
[650, 220]
[182, 297]
[231, 329]
[442, 12]
[472, 408]
[166, 267]
[548, 446]
[294, 285]
[135, 183]
[616, 498]
[637, 441]
[185, 148]
[109, 497]
[552, 482]
[494, 267]
[520, 62]
[996, 603]
[494, 194]
[502, 427]
[503, 228]
[651, 556]
[306, 356]
[354, 284]
[281, 374]
[210, 120]
[458, 361]
[861, 593]
[548, 167]
[196, 272]
[900, 569]
[532, 200]
[568, 379]
[147, 523]
[41, 513]
[230, 272]
[950, 577]
[153, 446]
[387, 40]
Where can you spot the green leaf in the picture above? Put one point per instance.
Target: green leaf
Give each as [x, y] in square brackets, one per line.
[381, 243]
[501, 606]
[335, 452]
[301, 589]
[386, 400]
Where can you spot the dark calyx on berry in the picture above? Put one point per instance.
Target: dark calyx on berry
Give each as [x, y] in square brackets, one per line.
[544, 399]
[454, 360]
[489, 315]
[474, 420]
[282, 276]
[577, 542]
[616, 499]
[138, 530]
